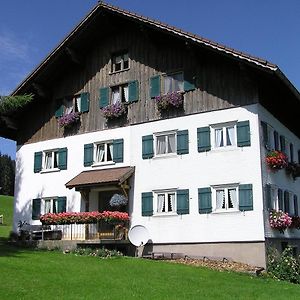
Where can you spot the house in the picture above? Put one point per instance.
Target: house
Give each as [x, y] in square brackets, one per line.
[177, 123]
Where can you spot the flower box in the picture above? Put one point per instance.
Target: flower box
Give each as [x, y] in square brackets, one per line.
[114, 111]
[69, 119]
[280, 220]
[170, 100]
[276, 160]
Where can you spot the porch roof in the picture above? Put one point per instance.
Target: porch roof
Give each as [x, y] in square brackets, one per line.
[102, 177]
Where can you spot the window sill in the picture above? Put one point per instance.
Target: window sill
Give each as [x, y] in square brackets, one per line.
[225, 149]
[162, 156]
[217, 212]
[50, 170]
[116, 72]
[108, 163]
[160, 215]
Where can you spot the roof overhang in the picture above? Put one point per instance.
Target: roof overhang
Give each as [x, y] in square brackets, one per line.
[100, 178]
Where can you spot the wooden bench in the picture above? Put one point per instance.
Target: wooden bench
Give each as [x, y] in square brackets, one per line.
[39, 232]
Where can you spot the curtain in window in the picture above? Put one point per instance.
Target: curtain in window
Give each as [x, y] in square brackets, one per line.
[48, 160]
[168, 84]
[220, 195]
[118, 59]
[78, 103]
[115, 96]
[178, 82]
[109, 152]
[160, 203]
[69, 106]
[161, 144]
[100, 153]
[54, 209]
[47, 206]
[232, 198]
[171, 202]
[126, 94]
[219, 137]
[230, 136]
[55, 165]
[171, 143]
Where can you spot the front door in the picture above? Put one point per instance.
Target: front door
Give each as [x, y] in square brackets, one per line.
[106, 231]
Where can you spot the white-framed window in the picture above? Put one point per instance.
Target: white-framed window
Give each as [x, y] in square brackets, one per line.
[103, 152]
[72, 104]
[50, 205]
[119, 93]
[173, 82]
[226, 198]
[120, 62]
[165, 143]
[165, 202]
[224, 135]
[50, 159]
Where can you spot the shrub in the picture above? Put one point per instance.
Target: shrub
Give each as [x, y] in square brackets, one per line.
[101, 252]
[283, 266]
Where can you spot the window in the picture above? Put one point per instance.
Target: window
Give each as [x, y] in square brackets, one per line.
[224, 136]
[120, 62]
[119, 94]
[166, 202]
[104, 152]
[173, 82]
[226, 198]
[165, 143]
[55, 159]
[50, 206]
[50, 159]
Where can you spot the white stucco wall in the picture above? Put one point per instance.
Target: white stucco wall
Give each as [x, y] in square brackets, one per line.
[279, 178]
[191, 171]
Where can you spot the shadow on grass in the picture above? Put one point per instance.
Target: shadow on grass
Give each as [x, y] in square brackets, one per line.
[8, 248]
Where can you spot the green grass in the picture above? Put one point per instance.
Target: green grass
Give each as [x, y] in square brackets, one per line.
[52, 275]
[6, 209]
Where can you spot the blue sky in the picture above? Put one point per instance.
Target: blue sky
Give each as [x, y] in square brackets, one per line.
[269, 29]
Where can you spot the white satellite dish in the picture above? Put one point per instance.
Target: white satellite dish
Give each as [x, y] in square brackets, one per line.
[138, 235]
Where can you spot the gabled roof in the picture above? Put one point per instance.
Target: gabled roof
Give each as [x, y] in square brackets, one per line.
[189, 37]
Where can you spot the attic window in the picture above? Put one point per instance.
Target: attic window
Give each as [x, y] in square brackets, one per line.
[120, 62]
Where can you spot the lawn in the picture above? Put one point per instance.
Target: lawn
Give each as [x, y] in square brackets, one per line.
[53, 275]
[33, 274]
[6, 209]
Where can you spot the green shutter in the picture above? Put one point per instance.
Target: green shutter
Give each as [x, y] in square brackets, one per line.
[118, 150]
[36, 209]
[59, 112]
[243, 134]
[189, 83]
[204, 200]
[286, 202]
[84, 102]
[203, 136]
[133, 91]
[280, 199]
[154, 86]
[38, 156]
[183, 202]
[62, 158]
[147, 146]
[245, 197]
[268, 196]
[88, 154]
[282, 144]
[276, 140]
[147, 204]
[296, 205]
[104, 99]
[183, 142]
[61, 204]
[266, 137]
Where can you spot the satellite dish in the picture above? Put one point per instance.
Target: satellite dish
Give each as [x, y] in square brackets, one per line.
[138, 235]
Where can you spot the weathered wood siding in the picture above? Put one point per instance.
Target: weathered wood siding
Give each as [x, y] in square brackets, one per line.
[220, 83]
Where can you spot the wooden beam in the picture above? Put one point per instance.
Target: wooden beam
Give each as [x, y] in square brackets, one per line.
[9, 122]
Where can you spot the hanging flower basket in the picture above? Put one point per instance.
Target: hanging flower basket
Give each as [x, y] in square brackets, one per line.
[276, 160]
[69, 119]
[170, 100]
[114, 111]
[118, 200]
[280, 220]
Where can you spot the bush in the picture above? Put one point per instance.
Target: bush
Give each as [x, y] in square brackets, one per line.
[101, 252]
[284, 266]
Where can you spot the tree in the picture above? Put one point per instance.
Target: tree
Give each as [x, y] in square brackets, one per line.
[7, 175]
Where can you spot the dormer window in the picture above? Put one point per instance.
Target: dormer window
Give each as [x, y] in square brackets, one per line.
[120, 62]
